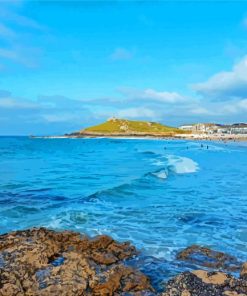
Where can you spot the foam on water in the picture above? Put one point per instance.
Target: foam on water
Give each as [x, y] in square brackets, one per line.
[163, 174]
[182, 165]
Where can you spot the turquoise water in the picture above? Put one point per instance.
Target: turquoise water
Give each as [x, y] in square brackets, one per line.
[160, 195]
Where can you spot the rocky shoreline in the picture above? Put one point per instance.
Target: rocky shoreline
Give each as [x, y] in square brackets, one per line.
[39, 261]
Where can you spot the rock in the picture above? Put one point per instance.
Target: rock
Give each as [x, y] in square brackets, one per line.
[203, 283]
[243, 273]
[41, 262]
[45, 262]
[203, 256]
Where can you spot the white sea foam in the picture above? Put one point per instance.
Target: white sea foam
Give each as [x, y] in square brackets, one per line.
[182, 165]
[161, 174]
[54, 223]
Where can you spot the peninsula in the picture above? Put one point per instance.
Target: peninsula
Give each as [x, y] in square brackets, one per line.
[124, 128]
[115, 127]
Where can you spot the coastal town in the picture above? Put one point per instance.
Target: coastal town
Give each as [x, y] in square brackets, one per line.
[215, 131]
[213, 128]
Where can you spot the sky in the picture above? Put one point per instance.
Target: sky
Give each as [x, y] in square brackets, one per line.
[66, 65]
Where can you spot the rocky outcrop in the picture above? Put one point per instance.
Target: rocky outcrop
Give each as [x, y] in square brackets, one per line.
[40, 262]
[203, 283]
[45, 262]
[243, 273]
[209, 258]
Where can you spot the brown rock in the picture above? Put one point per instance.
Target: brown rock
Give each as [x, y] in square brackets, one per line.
[216, 278]
[44, 262]
[205, 283]
[209, 258]
[243, 273]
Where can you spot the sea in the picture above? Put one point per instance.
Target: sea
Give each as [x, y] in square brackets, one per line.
[161, 195]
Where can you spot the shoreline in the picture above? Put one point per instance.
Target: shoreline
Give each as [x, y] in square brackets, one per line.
[192, 137]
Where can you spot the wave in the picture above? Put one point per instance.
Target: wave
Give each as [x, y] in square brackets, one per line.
[182, 165]
[168, 165]
[162, 174]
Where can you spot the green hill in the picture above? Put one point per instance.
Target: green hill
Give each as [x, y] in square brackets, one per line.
[123, 126]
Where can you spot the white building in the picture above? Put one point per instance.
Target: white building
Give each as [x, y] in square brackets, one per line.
[187, 127]
[212, 128]
[199, 127]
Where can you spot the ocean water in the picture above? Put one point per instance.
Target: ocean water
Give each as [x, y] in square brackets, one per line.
[162, 195]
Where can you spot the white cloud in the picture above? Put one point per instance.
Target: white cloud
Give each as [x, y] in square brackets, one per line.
[235, 107]
[121, 54]
[164, 96]
[26, 56]
[200, 111]
[14, 29]
[243, 104]
[13, 103]
[8, 54]
[59, 117]
[226, 85]
[39, 117]
[9, 15]
[140, 112]
[153, 95]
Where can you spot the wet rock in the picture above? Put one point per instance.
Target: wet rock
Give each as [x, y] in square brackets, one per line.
[243, 273]
[41, 262]
[203, 283]
[45, 262]
[203, 256]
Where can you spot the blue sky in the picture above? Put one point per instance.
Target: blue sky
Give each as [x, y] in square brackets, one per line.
[67, 65]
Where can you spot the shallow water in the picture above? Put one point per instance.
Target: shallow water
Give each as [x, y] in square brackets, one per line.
[161, 195]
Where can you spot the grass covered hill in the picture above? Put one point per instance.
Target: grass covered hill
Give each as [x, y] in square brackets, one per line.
[128, 127]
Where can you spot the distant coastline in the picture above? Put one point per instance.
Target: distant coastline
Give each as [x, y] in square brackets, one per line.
[132, 129]
[195, 137]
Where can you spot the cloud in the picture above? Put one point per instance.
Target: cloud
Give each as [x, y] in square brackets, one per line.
[121, 54]
[152, 95]
[10, 103]
[59, 114]
[26, 56]
[8, 14]
[235, 107]
[200, 111]
[8, 54]
[16, 48]
[59, 117]
[45, 115]
[166, 97]
[7, 101]
[243, 104]
[136, 113]
[226, 85]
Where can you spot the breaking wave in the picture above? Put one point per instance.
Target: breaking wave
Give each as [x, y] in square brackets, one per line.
[162, 174]
[182, 165]
[176, 165]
